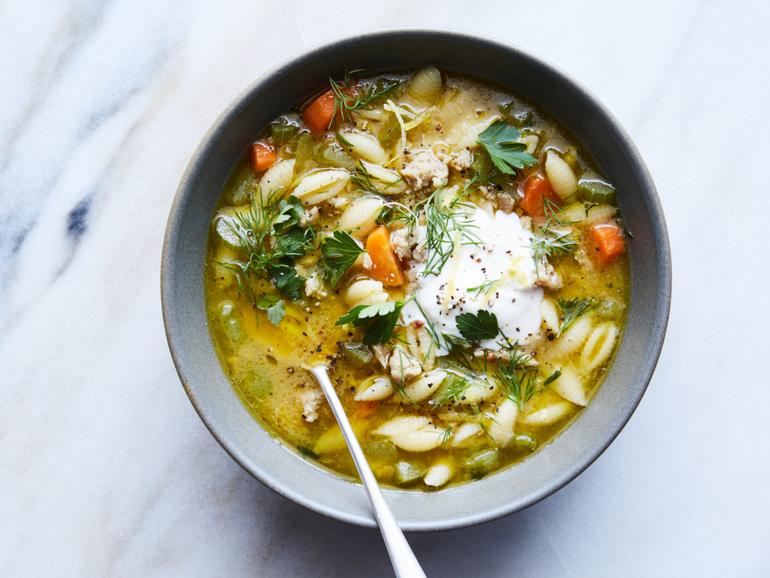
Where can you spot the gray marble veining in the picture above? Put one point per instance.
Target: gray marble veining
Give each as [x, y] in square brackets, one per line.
[105, 470]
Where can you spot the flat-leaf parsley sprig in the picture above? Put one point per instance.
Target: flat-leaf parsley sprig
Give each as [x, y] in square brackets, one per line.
[501, 142]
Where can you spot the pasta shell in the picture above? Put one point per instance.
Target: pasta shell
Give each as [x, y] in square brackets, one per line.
[425, 84]
[550, 414]
[402, 425]
[599, 346]
[560, 174]
[570, 386]
[320, 186]
[361, 216]
[364, 146]
[465, 434]
[276, 178]
[571, 340]
[425, 385]
[375, 389]
[365, 291]
[503, 419]
[550, 314]
[387, 181]
[422, 440]
[438, 474]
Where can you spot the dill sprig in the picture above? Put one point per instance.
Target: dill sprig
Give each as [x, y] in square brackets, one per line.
[571, 309]
[350, 96]
[517, 376]
[453, 391]
[447, 225]
[363, 180]
[445, 435]
[271, 237]
[482, 289]
[395, 212]
[550, 241]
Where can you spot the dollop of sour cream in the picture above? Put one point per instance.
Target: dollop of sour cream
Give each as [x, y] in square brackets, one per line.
[498, 274]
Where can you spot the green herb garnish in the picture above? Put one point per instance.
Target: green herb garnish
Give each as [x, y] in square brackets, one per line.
[363, 180]
[273, 306]
[350, 95]
[479, 326]
[549, 241]
[553, 377]
[571, 309]
[500, 140]
[272, 237]
[340, 251]
[452, 391]
[447, 224]
[378, 320]
[484, 288]
[516, 376]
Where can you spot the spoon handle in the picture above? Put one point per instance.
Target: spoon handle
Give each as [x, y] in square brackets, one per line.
[403, 559]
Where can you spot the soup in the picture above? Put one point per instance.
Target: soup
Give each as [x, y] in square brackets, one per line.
[445, 249]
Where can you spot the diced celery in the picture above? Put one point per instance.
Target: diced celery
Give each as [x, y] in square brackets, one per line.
[389, 133]
[283, 130]
[516, 115]
[524, 442]
[482, 462]
[358, 354]
[406, 472]
[380, 452]
[595, 191]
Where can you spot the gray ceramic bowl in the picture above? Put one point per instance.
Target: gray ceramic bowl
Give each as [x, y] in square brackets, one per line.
[278, 465]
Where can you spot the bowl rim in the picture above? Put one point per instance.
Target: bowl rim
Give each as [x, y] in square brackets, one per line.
[660, 321]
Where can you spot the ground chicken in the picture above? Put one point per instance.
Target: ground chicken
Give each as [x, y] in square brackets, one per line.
[381, 353]
[401, 242]
[425, 169]
[313, 286]
[461, 160]
[311, 399]
[310, 216]
[505, 202]
[403, 366]
[547, 275]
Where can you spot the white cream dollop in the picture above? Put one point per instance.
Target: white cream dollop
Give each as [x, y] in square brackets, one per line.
[502, 264]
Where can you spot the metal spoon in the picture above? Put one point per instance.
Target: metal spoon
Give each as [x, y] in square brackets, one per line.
[403, 559]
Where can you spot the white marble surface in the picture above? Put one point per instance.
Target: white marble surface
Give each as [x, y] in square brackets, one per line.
[105, 470]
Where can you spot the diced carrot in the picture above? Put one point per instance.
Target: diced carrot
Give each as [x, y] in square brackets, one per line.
[385, 267]
[366, 408]
[262, 156]
[607, 242]
[318, 115]
[536, 188]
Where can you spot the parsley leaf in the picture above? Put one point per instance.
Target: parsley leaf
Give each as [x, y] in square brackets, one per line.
[340, 251]
[500, 140]
[286, 279]
[274, 307]
[478, 327]
[378, 320]
[571, 309]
